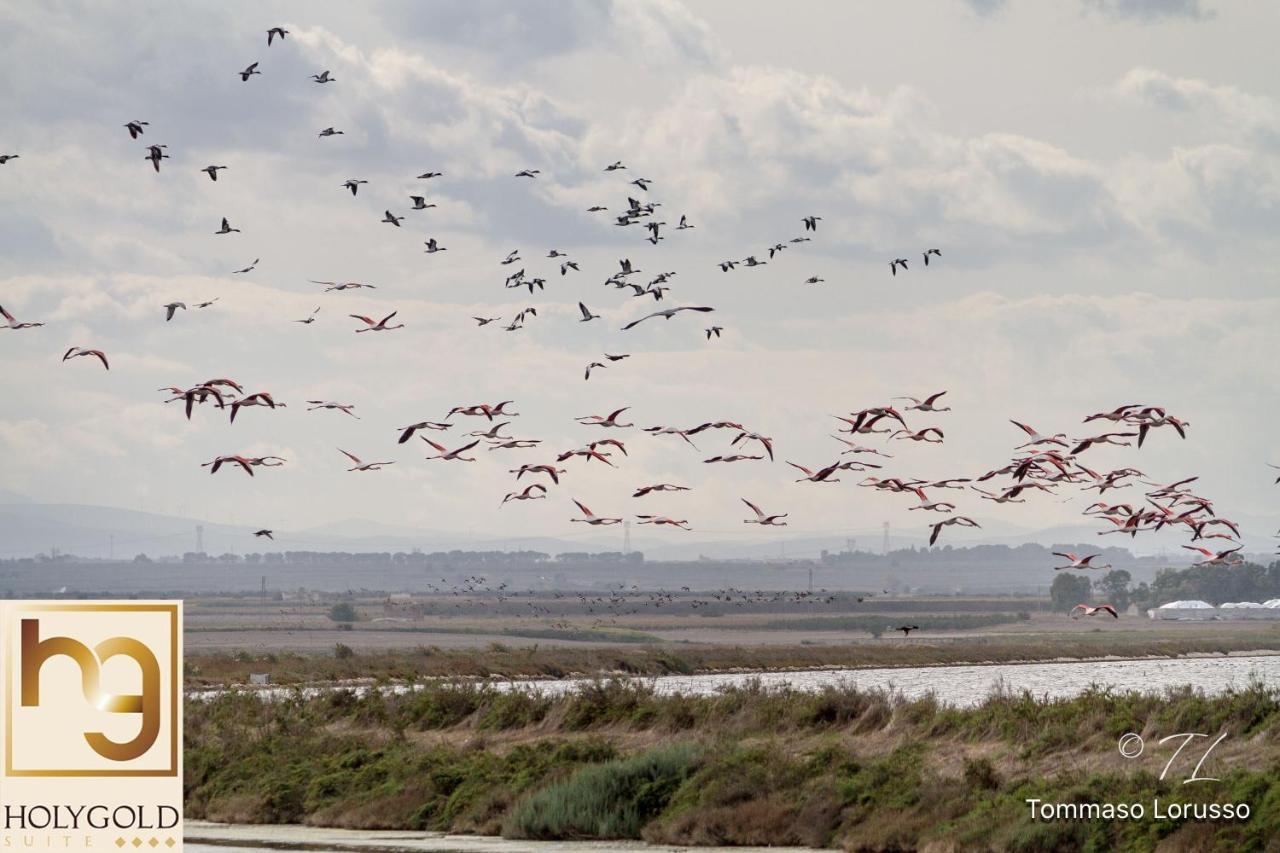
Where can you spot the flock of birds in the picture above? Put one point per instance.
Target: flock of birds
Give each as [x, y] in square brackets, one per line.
[1041, 464]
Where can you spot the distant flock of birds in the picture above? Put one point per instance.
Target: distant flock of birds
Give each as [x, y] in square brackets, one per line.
[1041, 464]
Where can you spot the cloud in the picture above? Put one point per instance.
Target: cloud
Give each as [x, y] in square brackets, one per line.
[1149, 10]
[987, 8]
[1073, 276]
[1225, 107]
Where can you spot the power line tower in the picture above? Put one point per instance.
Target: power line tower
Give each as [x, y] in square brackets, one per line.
[199, 538]
[884, 547]
[626, 537]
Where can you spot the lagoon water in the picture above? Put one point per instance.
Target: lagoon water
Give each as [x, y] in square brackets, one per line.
[954, 685]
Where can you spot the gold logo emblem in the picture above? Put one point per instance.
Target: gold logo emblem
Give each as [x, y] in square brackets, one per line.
[104, 676]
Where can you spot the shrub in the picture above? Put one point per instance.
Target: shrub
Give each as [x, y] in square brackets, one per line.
[611, 800]
[343, 611]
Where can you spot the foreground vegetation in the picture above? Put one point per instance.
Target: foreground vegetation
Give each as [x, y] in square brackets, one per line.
[838, 768]
[498, 660]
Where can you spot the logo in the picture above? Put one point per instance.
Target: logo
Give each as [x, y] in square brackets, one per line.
[91, 698]
[91, 689]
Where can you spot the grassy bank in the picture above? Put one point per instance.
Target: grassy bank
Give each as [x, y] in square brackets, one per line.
[557, 662]
[838, 768]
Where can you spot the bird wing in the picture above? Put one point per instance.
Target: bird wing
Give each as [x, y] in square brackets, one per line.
[351, 456]
[754, 508]
[635, 323]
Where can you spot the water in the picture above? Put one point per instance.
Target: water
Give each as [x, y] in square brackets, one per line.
[955, 685]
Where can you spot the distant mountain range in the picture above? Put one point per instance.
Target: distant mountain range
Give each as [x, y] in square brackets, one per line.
[27, 528]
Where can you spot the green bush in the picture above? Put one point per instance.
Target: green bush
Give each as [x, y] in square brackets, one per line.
[611, 800]
[343, 611]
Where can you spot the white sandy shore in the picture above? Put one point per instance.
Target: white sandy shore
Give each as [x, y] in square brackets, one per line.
[223, 838]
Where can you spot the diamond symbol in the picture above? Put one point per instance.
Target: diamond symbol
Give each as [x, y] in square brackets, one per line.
[169, 842]
[120, 842]
[154, 841]
[137, 842]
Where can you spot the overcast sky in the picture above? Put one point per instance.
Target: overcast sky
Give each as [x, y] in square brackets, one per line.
[1102, 178]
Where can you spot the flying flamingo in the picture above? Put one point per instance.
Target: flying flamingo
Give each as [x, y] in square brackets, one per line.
[451, 455]
[379, 326]
[363, 466]
[587, 453]
[75, 352]
[591, 518]
[494, 432]
[683, 433]
[962, 520]
[610, 421]
[919, 435]
[1115, 415]
[762, 519]
[765, 441]
[528, 494]
[1084, 444]
[244, 462]
[1037, 438]
[11, 323]
[262, 398]
[1085, 610]
[550, 470]
[1221, 558]
[927, 404]
[325, 404]
[1166, 420]
[821, 476]
[1078, 562]
[660, 487]
[928, 505]
[406, 433]
[662, 520]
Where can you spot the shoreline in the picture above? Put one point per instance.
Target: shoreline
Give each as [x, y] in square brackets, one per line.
[292, 836]
[632, 676]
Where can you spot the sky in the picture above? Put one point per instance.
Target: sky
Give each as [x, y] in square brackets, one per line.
[1102, 178]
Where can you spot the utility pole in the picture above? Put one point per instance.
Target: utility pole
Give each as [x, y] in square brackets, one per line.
[111, 547]
[811, 580]
[199, 538]
[884, 548]
[626, 537]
